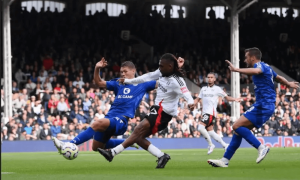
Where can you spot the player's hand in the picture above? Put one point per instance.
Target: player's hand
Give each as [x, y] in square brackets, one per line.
[231, 67]
[294, 85]
[180, 62]
[102, 63]
[121, 80]
[191, 106]
[238, 99]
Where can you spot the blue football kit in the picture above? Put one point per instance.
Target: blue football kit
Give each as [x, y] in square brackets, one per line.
[265, 94]
[127, 99]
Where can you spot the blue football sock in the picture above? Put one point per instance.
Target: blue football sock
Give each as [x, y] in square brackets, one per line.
[83, 136]
[113, 143]
[233, 146]
[248, 136]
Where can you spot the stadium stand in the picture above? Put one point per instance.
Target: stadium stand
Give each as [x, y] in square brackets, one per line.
[54, 56]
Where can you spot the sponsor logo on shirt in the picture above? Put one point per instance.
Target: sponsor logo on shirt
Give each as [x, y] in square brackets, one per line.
[184, 89]
[162, 88]
[126, 91]
[125, 96]
[208, 95]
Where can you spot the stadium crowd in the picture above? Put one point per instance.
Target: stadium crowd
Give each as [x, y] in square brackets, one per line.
[54, 55]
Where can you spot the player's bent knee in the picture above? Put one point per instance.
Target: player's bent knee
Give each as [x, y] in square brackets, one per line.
[235, 126]
[100, 125]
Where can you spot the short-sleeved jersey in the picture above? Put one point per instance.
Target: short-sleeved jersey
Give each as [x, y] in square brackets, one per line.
[128, 97]
[264, 84]
[210, 97]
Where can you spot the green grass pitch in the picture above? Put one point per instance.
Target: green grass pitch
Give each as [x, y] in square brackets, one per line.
[280, 163]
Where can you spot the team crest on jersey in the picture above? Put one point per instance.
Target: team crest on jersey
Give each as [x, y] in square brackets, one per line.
[126, 91]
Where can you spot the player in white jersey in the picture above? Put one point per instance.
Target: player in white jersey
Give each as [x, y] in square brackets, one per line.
[209, 95]
[170, 87]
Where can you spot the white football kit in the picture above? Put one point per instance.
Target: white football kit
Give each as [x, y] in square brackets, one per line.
[169, 90]
[210, 97]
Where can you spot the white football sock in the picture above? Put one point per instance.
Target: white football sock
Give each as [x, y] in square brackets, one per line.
[225, 160]
[261, 147]
[216, 137]
[205, 134]
[117, 150]
[155, 151]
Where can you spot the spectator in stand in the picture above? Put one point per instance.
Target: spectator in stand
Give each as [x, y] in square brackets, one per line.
[52, 104]
[55, 129]
[62, 106]
[78, 82]
[45, 132]
[48, 63]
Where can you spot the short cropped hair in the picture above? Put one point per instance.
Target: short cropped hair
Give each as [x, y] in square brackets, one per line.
[254, 52]
[128, 64]
[211, 73]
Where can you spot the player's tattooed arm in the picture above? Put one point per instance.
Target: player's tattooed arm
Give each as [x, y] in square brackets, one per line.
[290, 84]
[248, 71]
[101, 64]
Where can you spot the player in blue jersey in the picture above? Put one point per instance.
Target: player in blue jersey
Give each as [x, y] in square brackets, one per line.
[261, 111]
[128, 98]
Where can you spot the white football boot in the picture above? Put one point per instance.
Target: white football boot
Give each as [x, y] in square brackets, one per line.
[262, 154]
[58, 144]
[217, 163]
[211, 149]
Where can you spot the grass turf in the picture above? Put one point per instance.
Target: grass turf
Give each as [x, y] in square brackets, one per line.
[280, 163]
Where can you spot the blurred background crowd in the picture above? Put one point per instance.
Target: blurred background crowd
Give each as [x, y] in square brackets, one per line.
[54, 56]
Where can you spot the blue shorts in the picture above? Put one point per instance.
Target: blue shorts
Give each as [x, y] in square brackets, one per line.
[117, 126]
[258, 114]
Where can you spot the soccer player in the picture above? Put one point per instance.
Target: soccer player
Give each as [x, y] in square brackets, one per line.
[128, 98]
[263, 79]
[209, 95]
[171, 86]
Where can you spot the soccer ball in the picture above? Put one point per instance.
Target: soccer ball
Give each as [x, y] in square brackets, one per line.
[69, 151]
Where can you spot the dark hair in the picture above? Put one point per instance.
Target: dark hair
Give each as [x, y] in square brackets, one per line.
[170, 57]
[254, 52]
[128, 64]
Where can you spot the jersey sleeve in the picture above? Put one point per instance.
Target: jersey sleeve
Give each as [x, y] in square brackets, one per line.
[112, 85]
[144, 78]
[221, 93]
[201, 94]
[260, 66]
[184, 92]
[149, 86]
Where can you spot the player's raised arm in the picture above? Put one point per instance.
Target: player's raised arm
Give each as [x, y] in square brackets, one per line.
[289, 84]
[248, 71]
[101, 64]
[143, 78]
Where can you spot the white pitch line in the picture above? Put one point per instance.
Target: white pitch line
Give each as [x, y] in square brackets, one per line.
[7, 172]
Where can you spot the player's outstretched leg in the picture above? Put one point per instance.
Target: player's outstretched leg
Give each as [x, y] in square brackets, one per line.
[217, 138]
[233, 146]
[251, 139]
[205, 134]
[58, 144]
[115, 142]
